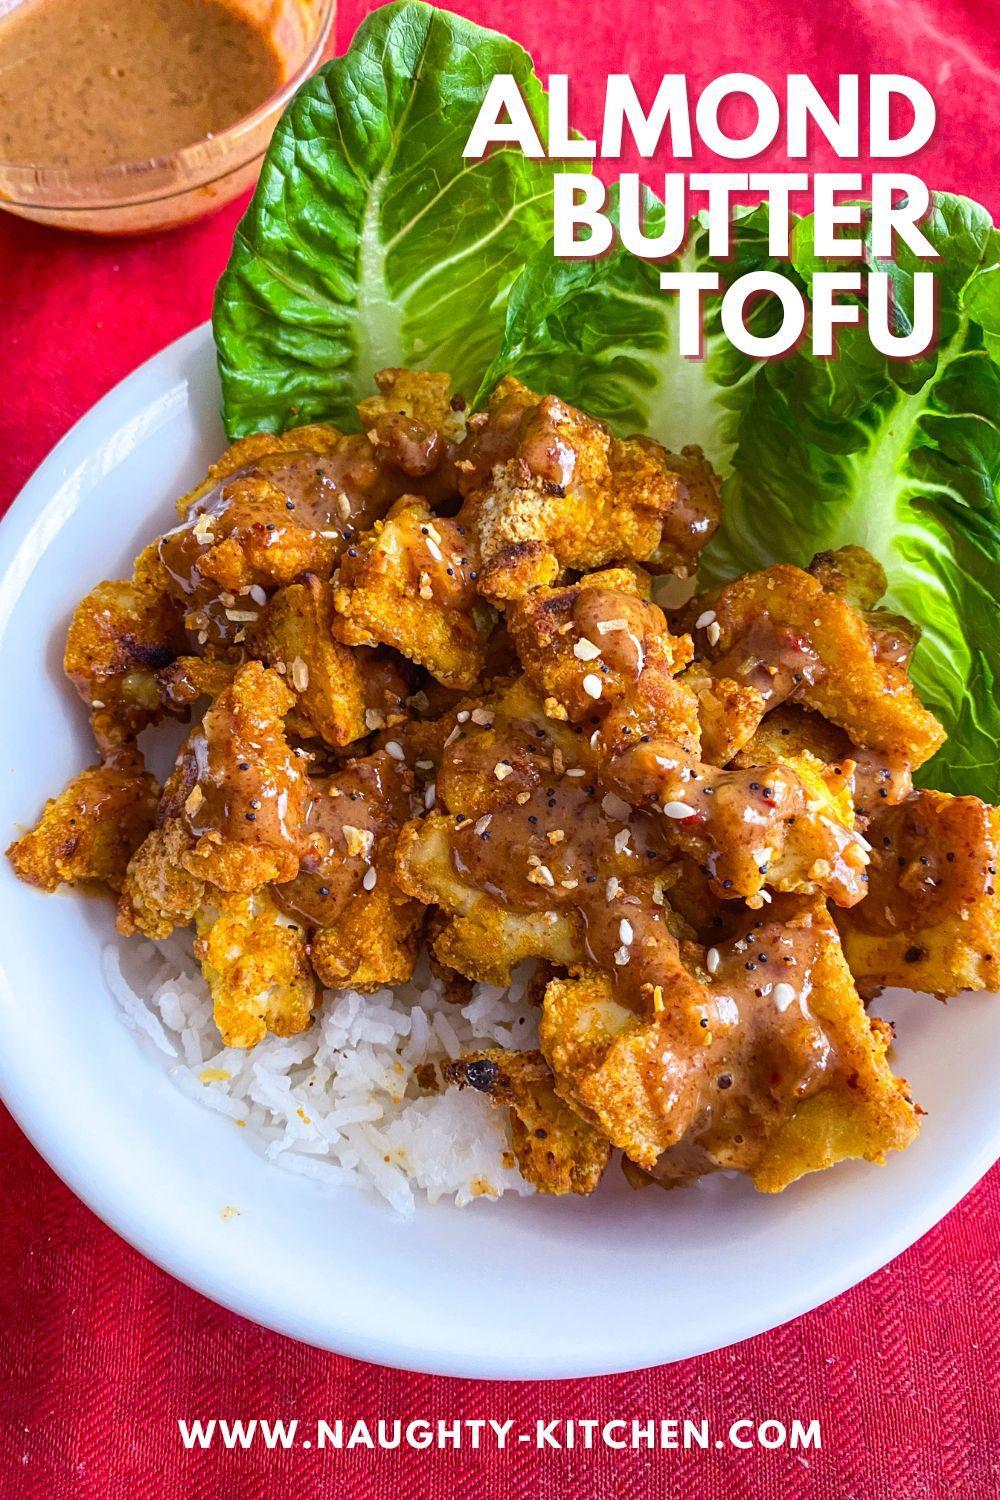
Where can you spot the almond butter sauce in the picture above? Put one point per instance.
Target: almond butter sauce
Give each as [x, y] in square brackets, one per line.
[93, 83]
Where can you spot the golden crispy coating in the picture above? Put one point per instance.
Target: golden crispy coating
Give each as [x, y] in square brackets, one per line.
[415, 426]
[238, 790]
[158, 893]
[255, 964]
[931, 920]
[556, 1150]
[729, 714]
[853, 573]
[374, 943]
[364, 930]
[549, 488]
[293, 635]
[778, 1072]
[876, 780]
[782, 633]
[192, 677]
[120, 635]
[603, 652]
[91, 830]
[411, 584]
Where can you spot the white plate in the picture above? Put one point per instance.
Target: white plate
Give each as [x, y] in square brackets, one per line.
[523, 1288]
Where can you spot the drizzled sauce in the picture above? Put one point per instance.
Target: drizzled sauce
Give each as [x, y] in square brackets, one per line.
[347, 819]
[91, 83]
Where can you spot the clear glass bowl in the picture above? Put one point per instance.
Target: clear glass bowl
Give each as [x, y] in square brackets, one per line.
[163, 191]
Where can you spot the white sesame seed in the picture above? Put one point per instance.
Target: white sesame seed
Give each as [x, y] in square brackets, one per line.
[713, 632]
[622, 957]
[615, 806]
[625, 931]
[676, 810]
[463, 716]
[708, 618]
[395, 749]
[434, 550]
[592, 685]
[713, 959]
[433, 532]
[425, 765]
[300, 675]
[586, 650]
[257, 594]
[576, 771]
[370, 877]
[430, 796]
[783, 995]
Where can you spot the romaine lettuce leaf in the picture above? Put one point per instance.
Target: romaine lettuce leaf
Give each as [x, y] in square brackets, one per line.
[902, 457]
[602, 335]
[370, 241]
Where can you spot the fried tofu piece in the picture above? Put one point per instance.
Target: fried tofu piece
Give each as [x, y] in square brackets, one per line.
[781, 1074]
[416, 426]
[191, 678]
[231, 813]
[91, 830]
[121, 634]
[609, 661]
[781, 632]
[931, 919]
[602, 650]
[729, 714]
[556, 1150]
[364, 930]
[158, 893]
[549, 488]
[529, 858]
[255, 963]
[410, 583]
[293, 634]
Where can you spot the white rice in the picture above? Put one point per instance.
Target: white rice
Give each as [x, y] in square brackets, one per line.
[340, 1104]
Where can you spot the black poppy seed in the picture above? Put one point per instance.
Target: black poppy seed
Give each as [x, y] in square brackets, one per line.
[755, 786]
[531, 818]
[591, 879]
[913, 955]
[725, 1081]
[950, 857]
[324, 890]
[250, 817]
[289, 504]
[244, 765]
[704, 1022]
[352, 551]
[727, 885]
[750, 965]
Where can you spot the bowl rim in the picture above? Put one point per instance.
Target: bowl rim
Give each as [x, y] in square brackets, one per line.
[154, 179]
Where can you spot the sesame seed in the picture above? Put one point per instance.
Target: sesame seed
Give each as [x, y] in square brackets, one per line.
[434, 550]
[713, 959]
[395, 749]
[676, 810]
[625, 931]
[707, 618]
[370, 877]
[430, 796]
[783, 995]
[592, 685]
[713, 633]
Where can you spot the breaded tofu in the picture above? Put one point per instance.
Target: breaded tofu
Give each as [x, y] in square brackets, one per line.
[91, 830]
[256, 966]
[783, 633]
[294, 635]
[363, 930]
[550, 488]
[778, 1073]
[410, 583]
[931, 919]
[121, 634]
[556, 1150]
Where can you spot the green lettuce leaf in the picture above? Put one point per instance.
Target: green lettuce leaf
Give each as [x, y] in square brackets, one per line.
[601, 334]
[370, 241]
[902, 457]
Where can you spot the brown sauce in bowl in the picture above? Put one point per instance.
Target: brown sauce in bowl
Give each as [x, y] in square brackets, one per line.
[93, 83]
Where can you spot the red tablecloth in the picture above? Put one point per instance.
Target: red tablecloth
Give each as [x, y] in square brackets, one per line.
[100, 1352]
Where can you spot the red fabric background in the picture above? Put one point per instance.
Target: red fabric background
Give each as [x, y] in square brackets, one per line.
[100, 1352]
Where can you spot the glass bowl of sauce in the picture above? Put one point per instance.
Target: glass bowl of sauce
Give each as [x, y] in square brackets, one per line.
[123, 116]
